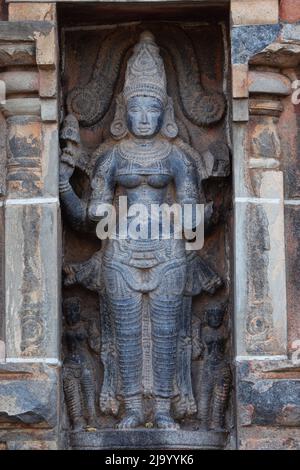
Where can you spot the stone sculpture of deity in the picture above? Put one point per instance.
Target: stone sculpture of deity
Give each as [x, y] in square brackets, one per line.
[145, 285]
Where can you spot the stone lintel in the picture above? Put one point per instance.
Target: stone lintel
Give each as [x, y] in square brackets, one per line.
[35, 11]
[23, 30]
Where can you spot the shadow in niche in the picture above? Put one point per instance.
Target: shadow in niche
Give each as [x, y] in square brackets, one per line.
[177, 41]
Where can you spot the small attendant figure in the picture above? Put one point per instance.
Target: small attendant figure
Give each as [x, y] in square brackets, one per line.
[78, 370]
[216, 373]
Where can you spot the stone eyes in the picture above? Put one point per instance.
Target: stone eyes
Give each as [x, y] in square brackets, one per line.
[147, 110]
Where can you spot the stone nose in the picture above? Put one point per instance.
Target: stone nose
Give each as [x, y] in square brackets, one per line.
[144, 117]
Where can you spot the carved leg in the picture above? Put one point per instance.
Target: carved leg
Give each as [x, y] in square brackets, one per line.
[205, 398]
[109, 404]
[163, 418]
[220, 399]
[164, 314]
[88, 393]
[134, 415]
[73, 401]
[127, 314]
[185, 405]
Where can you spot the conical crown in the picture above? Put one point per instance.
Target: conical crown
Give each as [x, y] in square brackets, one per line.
[145, 73]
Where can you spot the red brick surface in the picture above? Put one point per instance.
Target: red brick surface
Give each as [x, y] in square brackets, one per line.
[290, 10]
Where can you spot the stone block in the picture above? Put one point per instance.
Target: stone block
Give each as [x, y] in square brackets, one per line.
[289, 132]
[278, 54]
[292, 230]
[32, 445]
[254, 12]
[20, 82]
[50, 160]
[268, 393]
[24, 168]
[290, 10]
[17, 54]
[2, 351]
[32, 280]
[240, 81]
[49, 111]
[291, 32]
[3, 159]
[21, 107]
[148, 439]
[269, 83]
[32, 11]
[268, 410]
[248, 41]
[48, 83]
[23, 31]
[2, 283]
[46, 53]
[264, 438]
[241, 177]
[240, 110]
[28, 396]
[260, 289]
[33, 150]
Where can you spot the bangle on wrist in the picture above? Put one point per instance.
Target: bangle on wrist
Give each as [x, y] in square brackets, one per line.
[64, 186]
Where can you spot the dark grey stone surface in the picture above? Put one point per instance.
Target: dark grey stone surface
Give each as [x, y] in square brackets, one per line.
[268, 402]
[148, 439]
[249, 40]
[291, 32]
[23, 30]
[28, 396]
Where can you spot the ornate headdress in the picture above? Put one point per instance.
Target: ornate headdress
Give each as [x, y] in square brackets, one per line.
[145, 73]
[145, 76]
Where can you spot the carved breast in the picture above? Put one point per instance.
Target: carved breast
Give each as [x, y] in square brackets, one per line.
[134, 180]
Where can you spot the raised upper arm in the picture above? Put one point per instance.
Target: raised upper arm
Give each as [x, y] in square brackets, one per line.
[185, 178]
[103, 181]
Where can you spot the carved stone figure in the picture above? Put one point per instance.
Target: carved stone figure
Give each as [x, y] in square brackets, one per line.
[145, 285]
[216, 374]
[78, 369]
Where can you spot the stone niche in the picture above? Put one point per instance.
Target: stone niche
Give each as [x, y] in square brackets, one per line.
[96, 42]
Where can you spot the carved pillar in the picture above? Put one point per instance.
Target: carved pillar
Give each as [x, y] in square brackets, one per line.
[267, 394]
[28, 68]
[2, 193]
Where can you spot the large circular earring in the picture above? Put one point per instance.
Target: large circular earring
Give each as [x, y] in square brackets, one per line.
[118, 127]
[169, 128]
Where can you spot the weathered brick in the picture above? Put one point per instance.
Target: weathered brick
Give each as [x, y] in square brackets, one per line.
[254, 12]
[292, 230]
[240, 81]
[290, 10]
[32, 11]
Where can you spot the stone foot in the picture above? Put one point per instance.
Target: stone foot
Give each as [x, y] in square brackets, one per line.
[78, 424]
[165, 421]
[130, 421]
[92, 424]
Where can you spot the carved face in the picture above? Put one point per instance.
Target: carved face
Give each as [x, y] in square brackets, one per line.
[215, 317]
[144, 116]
